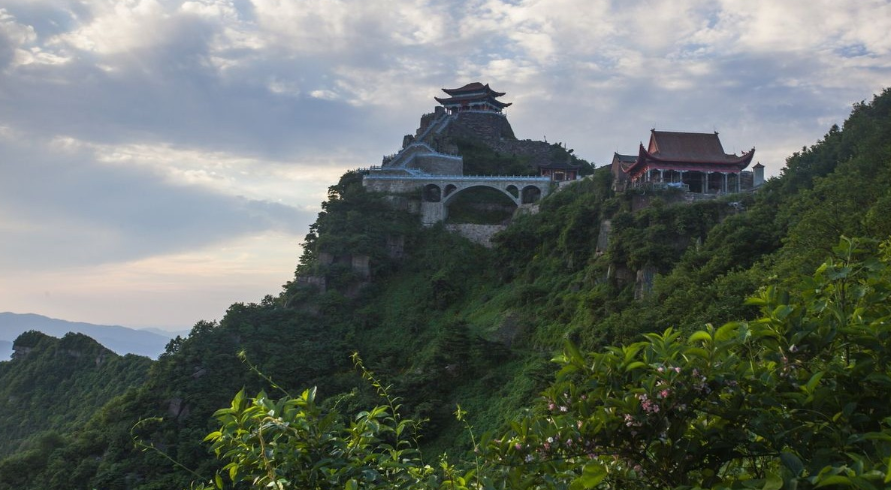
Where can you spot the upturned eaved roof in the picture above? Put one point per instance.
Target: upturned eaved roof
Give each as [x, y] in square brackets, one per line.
[559, 165]
[624, 158]
[687, 151]
[705, 147]
[472, 92]
[462, 99]
[473, 87]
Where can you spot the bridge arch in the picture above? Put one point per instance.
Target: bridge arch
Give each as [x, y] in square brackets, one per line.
[530, 194]
[452, 195]
[432, 193]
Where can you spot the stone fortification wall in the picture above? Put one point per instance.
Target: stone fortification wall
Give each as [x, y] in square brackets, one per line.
[428, 119]
[435, 165]
[432, 213]
[538, 151]
[481, 234]
[391, 186]
[490, 127]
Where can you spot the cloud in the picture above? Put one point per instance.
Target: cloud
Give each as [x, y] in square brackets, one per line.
[63, 206]
[142, 131]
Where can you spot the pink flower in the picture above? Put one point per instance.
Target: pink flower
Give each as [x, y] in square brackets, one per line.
[518, 446]
[677, 369]
[663, 394]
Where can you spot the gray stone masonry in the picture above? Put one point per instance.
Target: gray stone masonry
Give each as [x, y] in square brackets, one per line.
[481, 234]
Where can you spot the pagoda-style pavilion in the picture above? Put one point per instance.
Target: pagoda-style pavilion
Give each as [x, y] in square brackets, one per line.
[559, 171]
[694, 161]
[472, 97]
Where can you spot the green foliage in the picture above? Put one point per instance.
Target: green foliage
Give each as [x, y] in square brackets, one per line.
[794, 399]
[58, 385]
[292, 443]
[480, 159]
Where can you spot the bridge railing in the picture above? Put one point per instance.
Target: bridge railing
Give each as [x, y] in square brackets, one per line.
[461, 178]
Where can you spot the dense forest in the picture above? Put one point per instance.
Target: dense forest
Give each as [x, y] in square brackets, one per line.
[755, 358]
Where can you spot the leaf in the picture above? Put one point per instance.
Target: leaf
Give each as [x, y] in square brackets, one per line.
[809, 388]
[773, 482]
[834, 480]
[635, 365]
[726, 331]
[573, 353]
[792, 462]
[593, 474]
[700, 335]
[782, 311]
[351, 484]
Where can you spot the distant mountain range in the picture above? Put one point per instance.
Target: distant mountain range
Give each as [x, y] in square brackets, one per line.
[121, 340]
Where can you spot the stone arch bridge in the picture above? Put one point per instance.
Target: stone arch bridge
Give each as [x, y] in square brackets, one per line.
[438, 191]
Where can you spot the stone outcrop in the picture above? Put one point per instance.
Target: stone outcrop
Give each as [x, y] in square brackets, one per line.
[643, 283]
[481, 234]
[606, 227]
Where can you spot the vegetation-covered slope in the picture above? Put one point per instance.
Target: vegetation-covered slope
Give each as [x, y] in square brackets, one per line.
[54, 386]
[446, 321]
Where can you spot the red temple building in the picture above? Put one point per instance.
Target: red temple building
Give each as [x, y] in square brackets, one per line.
[472, 97]
[693, 161]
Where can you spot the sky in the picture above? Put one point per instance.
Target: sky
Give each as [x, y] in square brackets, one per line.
[161, 160]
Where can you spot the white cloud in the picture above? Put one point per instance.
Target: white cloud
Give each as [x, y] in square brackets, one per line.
[166, 127]
[120, 26]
